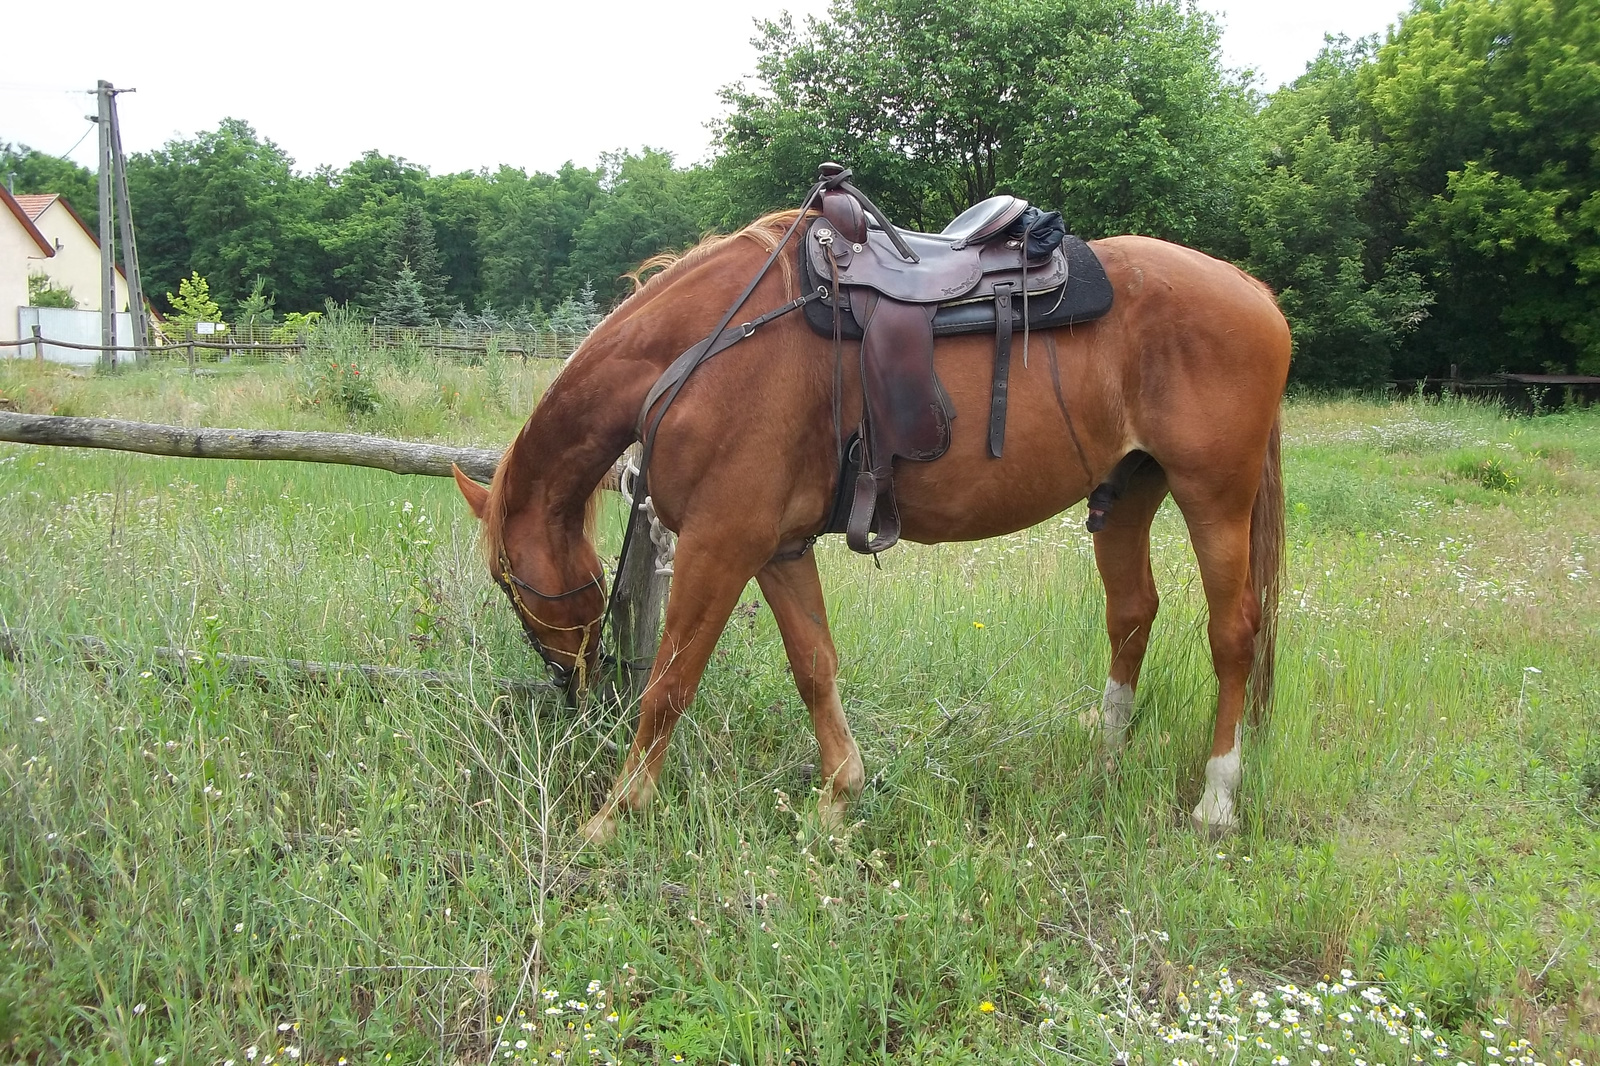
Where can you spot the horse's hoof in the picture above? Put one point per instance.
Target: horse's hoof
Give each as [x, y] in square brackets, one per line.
[601, 829]
[1214, 818]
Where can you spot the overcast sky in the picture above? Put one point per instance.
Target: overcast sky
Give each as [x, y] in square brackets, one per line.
[531, 84]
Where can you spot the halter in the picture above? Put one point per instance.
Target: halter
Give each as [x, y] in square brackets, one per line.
[561, 673]
[664, 392]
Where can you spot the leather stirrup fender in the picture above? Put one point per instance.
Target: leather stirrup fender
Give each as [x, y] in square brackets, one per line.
[1002, 369]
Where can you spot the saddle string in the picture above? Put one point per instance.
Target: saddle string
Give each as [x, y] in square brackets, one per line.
[1061, 402]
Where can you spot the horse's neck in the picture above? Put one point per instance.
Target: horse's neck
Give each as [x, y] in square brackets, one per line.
[584, 422]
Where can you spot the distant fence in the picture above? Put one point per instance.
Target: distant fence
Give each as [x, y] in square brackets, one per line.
[1521, 391]
[254, 346]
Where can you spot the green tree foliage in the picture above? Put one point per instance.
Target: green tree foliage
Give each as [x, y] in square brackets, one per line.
[1117, 111]
[227, 205]
[527, 240]
[577, 314]
[411, 247]
[255, 310]
[645, 207]
[192, 304]
[405, 303]
[1486, 115]
[42, 292]
[1311, 234]
[39, 172]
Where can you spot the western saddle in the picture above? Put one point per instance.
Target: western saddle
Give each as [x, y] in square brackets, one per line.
[997, 267]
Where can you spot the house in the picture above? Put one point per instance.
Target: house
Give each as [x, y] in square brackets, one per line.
[24, 250]
[71, 261]
[76, 263]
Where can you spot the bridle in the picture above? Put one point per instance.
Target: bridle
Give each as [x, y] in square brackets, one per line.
[660, 398]
[561, 673]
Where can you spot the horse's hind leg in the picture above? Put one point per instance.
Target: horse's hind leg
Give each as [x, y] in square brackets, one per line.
[1122, 551]
[1218, 515]
[794, 592]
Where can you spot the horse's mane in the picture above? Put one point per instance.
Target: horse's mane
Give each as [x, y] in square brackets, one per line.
[765, 231]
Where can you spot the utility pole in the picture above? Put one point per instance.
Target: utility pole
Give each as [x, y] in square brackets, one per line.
[130, 250]
[114, 192]
[108, 253]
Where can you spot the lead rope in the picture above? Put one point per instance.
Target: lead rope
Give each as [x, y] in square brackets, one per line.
[665, 541]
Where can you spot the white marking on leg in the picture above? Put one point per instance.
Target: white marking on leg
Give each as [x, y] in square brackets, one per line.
[1116, 712]
[1215, 811]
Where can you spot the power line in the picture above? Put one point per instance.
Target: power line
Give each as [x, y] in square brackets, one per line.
[79, 141]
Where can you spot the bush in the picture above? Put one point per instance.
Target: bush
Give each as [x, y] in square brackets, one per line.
[343, 386]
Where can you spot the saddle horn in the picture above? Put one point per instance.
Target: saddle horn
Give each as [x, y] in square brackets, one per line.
[837, 176]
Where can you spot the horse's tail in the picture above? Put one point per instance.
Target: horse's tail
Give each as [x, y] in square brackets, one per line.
[1266, 570]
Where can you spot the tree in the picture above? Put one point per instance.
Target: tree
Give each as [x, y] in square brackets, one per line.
[528, 237]
[644, 207]
[39, 172]
[411, 246]
[192, 304]
[405, 304]
[1484, 113]
[576, 314]
[1117, 111]
[42, 292]
[228, 205]
[1313, 234]
[256, 309]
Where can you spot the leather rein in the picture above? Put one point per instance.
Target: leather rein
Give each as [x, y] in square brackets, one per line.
[665, 391]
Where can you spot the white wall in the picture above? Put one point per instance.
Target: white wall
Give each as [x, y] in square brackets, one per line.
[19, 256]
[62, 324]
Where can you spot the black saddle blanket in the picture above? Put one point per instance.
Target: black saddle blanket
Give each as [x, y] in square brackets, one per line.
[1085, 295]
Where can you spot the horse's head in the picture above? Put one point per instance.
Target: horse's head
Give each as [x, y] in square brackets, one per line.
[554, 582]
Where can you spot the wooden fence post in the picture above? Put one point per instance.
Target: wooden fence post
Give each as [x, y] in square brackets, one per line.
[38, 346]
[191, 357]
[636, 614]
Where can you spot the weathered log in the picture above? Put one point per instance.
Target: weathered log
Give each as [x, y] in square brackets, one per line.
[347, 449]
[97, 652]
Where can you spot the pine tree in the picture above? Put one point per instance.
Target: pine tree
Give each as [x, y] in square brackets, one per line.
[412, 242]
[405, 304]
[577, 314]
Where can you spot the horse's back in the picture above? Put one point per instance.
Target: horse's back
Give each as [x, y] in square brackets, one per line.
[1189, 365]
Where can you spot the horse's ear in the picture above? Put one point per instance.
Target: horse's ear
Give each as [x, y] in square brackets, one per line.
[477, 496]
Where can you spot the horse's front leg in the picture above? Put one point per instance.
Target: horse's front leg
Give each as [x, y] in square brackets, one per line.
[707, 578]
[794, 592]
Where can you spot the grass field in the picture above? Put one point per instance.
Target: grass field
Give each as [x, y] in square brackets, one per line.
[197, 869]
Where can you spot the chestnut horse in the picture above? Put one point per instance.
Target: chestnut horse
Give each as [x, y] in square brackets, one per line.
[1189, 367]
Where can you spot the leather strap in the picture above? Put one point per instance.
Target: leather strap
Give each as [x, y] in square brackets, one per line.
[1002, 369]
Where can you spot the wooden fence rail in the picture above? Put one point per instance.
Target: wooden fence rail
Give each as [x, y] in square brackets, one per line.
[640, 591]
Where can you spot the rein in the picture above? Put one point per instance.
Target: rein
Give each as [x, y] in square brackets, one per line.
[665, 391]
[672, 380]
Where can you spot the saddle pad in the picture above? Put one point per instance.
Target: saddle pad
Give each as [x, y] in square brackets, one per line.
[1085, 296]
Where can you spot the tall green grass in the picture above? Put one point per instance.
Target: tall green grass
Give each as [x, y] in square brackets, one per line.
[194, 866]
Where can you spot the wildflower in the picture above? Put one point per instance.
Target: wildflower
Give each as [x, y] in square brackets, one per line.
[975, 625]
[250, 1053]
[294, 1053]
[522, 1045]
[238, 927]
[986, 1006]
[138, 1008]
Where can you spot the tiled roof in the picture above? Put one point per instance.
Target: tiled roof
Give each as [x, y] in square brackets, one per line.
[10, 203]
[33, 204]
